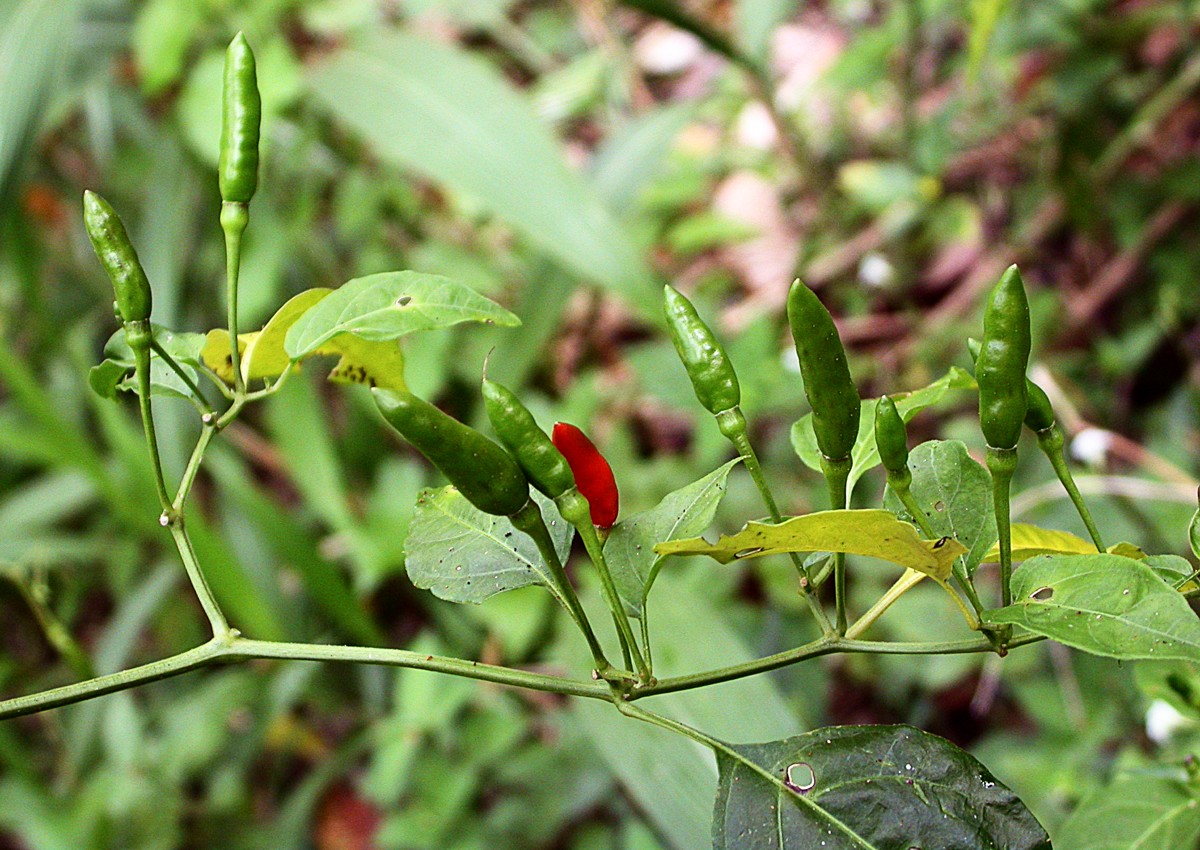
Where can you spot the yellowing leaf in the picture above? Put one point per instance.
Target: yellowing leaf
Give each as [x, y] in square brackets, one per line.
[1127, 550]
[265, 357]
[376, 363]
[1028, 541]
[261, 352]
[215, 354]
[874, 533]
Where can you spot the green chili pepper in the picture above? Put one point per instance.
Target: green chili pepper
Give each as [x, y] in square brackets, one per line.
[483, 472]
[891, 437]
[120, 260]
[543, 464]
[827, 383]
[241, 116]
[835, 404]
[1003, 359]
[1039, 418]
[703, 356]
[1039, 415]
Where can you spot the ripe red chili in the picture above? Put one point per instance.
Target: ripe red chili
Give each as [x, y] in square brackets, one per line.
[593, 476]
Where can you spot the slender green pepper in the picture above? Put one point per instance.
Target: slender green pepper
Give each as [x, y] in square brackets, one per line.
[241, 117]
[703, 356]
[1039, 414]
[1003, 359]
[827, 383]
[117, 255]
[836, 408]
[891, 438]
[543, 464]
[483, 472]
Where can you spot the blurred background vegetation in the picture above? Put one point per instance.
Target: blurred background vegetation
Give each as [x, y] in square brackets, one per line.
[565, 158]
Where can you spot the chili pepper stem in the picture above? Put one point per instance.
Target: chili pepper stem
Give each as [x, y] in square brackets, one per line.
[529, 520]
[1002, 463]
[732, 424]
[837, 474]
[208, 602]
[234, 218]
[1051, 441]
[629, 645]
[141, 353]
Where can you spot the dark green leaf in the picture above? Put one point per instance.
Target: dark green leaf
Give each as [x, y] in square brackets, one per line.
[866, 788]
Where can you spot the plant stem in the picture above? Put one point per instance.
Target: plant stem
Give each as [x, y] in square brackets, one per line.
[234, 217]
[243, 648]
[142, 364]
[819, 647]
[1002, 463]
[910, 579]
[1051, 442]
[216, 619]
[732, 423]
[837, 473]
[629, 646]
[79, 691]
[529, 520]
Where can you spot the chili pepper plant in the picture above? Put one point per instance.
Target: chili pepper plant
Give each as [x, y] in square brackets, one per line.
[514, 504]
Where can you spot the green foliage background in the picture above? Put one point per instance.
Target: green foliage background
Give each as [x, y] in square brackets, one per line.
[565, 159]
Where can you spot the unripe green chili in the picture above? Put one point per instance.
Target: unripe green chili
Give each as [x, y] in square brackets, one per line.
[827, 383]
[891, 437]
[483, 472]
[542, 463]
[240, 120]
[1039, 414]
[836, 408]
[1003, 359]
[703, 356]
[117, 255]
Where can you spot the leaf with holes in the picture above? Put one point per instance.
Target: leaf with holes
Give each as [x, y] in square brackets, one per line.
[865, 788]
[1103, 604]
[629, 550]
[956, 493]
[874, 533]
[462, 554]
[389, 305]
[1135, 812]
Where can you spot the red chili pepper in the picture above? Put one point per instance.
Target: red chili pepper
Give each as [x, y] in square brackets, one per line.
[593, 476]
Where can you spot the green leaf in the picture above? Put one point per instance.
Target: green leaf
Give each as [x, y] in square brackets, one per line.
[985, 14]
[1103, 604]
[117, 373]
[389, 305]
[462, 554]
[1134, 812]
[629, 550]
[454, 119]
[956, 493]
[865, 454]
[874, 533]
[866, 788]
